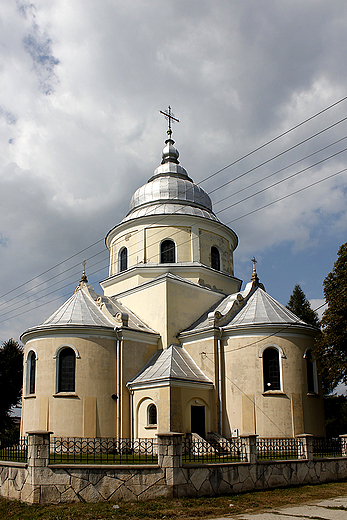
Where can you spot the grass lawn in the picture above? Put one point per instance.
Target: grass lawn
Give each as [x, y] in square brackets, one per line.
[177, 509]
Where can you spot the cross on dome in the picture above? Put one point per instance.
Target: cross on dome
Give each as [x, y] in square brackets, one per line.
[169, 116]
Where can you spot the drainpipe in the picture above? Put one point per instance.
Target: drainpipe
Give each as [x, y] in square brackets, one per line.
[118, 376]
[131, 414]
[219, 341]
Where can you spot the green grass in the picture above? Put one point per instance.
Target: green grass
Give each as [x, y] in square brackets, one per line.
[9, 455]
[175, 509]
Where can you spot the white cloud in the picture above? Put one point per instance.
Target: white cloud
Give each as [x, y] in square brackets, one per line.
[80, 128]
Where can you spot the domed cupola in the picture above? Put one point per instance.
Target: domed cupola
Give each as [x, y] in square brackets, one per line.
[170, 191]
[170, 230]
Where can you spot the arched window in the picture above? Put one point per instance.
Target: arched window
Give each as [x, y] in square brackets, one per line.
[31, 372]
[215, 258]
[167, 252]
[271, 369]
[151, 415]
[123, 259]
[66, 370]
[310, 370]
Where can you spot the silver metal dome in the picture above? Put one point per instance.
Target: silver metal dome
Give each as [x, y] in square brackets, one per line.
[169, 191]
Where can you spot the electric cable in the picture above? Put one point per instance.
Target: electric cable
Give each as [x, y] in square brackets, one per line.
[265, 144]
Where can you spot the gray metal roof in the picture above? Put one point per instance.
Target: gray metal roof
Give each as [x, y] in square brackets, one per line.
[261, 308]
[83, 309]
[173, 363]
[253, 306]
[170, 190]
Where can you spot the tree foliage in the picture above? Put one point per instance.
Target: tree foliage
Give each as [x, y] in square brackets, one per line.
[301, 307]
[11, 377]
[331, 347]
[335, 407]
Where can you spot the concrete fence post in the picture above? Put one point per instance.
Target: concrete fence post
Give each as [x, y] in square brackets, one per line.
[306, 446]
[249, 448]
[343, 440]
[38, 458]
[170, 458]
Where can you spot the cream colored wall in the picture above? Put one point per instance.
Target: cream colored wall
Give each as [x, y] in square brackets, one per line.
[169, 307]
[208, 240]
[180, 235]
[134, 357]
[269, 414]
[245, 406]
[130, 240]
[173, 409]
[90, 411]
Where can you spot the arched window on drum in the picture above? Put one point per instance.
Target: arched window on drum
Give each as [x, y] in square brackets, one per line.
[167, 252]
[123, 259]
[215, 258]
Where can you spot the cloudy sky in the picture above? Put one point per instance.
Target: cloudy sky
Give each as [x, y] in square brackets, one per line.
[82, 83]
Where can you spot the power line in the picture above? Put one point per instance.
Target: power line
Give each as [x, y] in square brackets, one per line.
[274, 139]
[278, 171]
[253, 151]
[258, 209]
[289, 195]
[282, 180]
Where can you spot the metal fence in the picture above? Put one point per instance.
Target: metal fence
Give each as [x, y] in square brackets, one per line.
[279, 449]
[221, 450]
[324, 447]
[14, 449]
[77, 450]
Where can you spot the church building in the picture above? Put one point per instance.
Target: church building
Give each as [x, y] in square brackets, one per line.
[174, 343]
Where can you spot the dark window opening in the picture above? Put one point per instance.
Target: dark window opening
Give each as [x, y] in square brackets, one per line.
[198, 420]
[167, 252]
[66, 374]
[310, 372]
[124, 259]
[32, 369]
[152, 414]
[215, 258]
[271, 367]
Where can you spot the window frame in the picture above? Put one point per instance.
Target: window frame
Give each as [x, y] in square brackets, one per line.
[150, 408]
[214, 258]
[281, 354]
[121, 259]
[313, 366]
[161, 252]
[32, 354]
[56, 356]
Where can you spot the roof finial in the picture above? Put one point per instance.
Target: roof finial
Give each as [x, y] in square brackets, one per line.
[169, 116]
[84, 276]
[254, 277]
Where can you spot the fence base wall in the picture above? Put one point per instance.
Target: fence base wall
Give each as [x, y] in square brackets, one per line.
[40, 482]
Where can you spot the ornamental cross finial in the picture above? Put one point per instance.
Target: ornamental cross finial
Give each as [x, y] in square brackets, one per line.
[169, 116]
[254, 261]
[84, 276]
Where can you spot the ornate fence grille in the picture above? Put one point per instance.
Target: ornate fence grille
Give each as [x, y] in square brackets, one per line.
[14, 449]
[223, 450]
[279, 449]
[326, 447]
[78, 450]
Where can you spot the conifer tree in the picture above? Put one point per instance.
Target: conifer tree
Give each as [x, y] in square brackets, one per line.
[11, 376]
[332, 345]
[301, 307]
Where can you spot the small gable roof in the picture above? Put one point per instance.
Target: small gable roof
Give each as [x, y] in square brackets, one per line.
[261, 308]
[171, 364]
[85, 308]
[251, 307]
